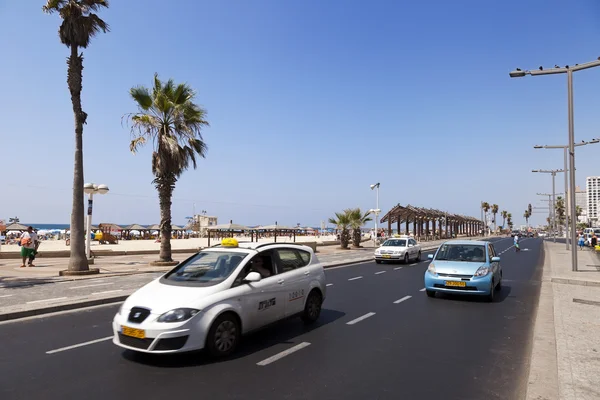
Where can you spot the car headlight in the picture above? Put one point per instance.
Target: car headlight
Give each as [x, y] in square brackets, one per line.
[178, 315]
[398, 252]
[482, 271]
[431, 269]
[377, 252]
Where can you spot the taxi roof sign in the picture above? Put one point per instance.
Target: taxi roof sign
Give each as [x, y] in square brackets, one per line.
[229, 242]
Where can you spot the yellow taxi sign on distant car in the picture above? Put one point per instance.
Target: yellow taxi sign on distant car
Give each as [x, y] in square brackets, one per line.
[229, 242]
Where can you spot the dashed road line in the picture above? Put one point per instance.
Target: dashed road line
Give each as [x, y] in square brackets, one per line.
[329, 284]
[412, 265]
[380, 272]
[354, 321]
[109, 291]
[397, 268]
[284, 353]
[402, 299]
[422, 290]
[97, 284]
[79, 345]
[355, 278]
[45, 300]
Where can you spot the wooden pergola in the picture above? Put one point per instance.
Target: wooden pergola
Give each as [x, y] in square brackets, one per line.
[275, 229]
[421, 218]
[229, 228]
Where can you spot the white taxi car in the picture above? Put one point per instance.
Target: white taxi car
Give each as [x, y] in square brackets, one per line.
[212, 298]
[398, 248]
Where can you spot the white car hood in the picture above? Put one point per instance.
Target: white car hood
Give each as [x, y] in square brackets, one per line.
[160, 298]
[392, 248]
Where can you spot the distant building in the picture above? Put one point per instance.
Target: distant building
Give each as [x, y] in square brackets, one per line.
[593, 198]
[581, 200]
[203, 222]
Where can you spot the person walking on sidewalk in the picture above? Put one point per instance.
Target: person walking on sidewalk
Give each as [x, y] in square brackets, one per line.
[28, 242]
[594, 241]
[581, 242]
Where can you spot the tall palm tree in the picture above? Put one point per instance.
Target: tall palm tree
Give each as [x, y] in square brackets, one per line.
[485, 206]
[504, 214]
[494, 212]
[342, 221]
[168, 117]
[526, 215]
[560, 210]
[529, 209]
[357, 220]
[509, 220]
[80, 24]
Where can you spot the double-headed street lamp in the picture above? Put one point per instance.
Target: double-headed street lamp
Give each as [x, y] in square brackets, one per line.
[376, 211]
[91, 189]
[569, 71]
[567, 213]
[553, 172]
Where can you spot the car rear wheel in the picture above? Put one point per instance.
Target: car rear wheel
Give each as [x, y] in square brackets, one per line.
[406, 258]
[430, 293]
[312, 308]
[223, 336]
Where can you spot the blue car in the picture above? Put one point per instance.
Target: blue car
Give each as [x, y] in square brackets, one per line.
[464, 267]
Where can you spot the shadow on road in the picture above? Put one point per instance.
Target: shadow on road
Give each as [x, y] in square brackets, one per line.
[499, 297]
[282, 332]
[12, 282]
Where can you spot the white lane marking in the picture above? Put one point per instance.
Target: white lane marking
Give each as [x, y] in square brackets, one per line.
[422, 290]
[380, 272]
[41, 301]
[402, 299]
[79, 345]
[7, 295]
[284, 353]
[397, 268]
[329, 284]
[346, 266]
[97, 284]
[412, 265]
[355, 278]
[354, 321]
[109, 291]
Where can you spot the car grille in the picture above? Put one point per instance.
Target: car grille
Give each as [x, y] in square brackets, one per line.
[138, 314]
[456, 276]
[172, 343]
[135, 342]
[465, 288]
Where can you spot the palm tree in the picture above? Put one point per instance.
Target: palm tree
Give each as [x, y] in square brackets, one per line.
[529, 209]
[357, 220]
[560, 210]
[79, 26]
[526, 215]
[486, 207]
[504, 214]
[342, 221]
[494, 212]
[168, 117]
[509, 221]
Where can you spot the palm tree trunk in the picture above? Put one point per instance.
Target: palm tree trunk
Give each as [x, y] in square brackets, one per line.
[78, 260]
[165, 192]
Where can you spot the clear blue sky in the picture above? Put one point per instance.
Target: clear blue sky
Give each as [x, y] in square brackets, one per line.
[309, 102]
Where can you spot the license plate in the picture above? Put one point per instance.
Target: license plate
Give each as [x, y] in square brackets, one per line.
[456, 283]
[386, 256]
[133, 332]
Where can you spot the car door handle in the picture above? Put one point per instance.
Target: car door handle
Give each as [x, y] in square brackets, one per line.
[280, 281]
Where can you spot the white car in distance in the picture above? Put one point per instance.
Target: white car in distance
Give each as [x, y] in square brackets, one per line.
[212, 298]
[402, 248]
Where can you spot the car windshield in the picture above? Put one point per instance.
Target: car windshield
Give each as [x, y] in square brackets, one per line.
[461, 252]
[395, 243]
[206, 268]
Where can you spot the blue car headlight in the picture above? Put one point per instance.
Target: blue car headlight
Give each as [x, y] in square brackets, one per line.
[482, 271]
[178, 315]
[431, 269]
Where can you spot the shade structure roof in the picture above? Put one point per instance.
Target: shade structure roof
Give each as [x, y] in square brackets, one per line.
[135, 227]
[228, 227]
[16, 227]
[275, 228]
[154, 227]
[409, 213]
[176, 228]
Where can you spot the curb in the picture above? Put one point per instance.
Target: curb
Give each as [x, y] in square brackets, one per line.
[577, 282]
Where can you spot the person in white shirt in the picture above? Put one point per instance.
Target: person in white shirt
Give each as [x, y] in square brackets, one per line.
[28, 242]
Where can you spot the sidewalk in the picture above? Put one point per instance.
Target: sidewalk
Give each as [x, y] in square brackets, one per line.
[565, 359]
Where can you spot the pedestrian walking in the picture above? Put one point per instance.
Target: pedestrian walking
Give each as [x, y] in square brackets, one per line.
[594, 241]
[581, 242]
[516, 242]
[28, 244]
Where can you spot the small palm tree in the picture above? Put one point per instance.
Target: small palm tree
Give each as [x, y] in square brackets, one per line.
[560, 210]
[504, 214]
[357, 220]
[509, 220]
[79, 26]
[342, 221]
[526, 215]
[494, 212]
[167, 116]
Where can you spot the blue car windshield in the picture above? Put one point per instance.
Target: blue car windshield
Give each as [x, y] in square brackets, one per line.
[461, 252]
[206, 268]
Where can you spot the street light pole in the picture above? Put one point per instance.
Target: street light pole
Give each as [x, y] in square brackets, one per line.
[91, 189]
[566, 169]
[376, 211]
[553, 172]
[569, 71]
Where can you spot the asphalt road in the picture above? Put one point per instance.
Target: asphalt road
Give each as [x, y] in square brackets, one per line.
[402, 348]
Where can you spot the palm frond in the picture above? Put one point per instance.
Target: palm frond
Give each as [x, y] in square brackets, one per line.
[53, 6]
[142, 97]
[94, 5]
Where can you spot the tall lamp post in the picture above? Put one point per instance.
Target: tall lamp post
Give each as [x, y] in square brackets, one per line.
[91, 189]
[376, 211]
[565, 148]
[553, 172]
[569, 71]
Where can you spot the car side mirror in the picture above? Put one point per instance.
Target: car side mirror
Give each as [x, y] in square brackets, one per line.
[411, 245]
[430, 256]
[495, 259]
[252, 277]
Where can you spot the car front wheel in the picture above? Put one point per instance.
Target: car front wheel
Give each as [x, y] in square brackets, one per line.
[419, 256]
[223, 336]
[430, 293]
[406, 258]
[378, 261]
[312, 308]
[490, 296]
